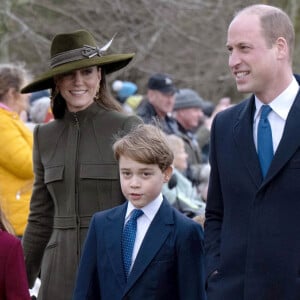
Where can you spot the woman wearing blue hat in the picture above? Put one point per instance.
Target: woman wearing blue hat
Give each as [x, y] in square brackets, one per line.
[75, 170]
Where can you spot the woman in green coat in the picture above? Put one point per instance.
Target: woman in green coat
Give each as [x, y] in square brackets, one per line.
[75, 171]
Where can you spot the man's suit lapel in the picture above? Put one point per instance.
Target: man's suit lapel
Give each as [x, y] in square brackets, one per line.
[156, 235]
[113, 238]
[243, 136]
[289, 142]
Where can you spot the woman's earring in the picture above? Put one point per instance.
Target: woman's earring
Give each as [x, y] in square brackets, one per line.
[97, 96]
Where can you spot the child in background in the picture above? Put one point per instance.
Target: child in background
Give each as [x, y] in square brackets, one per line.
[180, 191]
[165, 260]
[13, 280]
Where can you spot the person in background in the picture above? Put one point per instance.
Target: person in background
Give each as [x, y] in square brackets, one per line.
[38, 94]
[126, 94]
[16, 171]
[36, 111]
[223, 103]
[13, 280]
[180, 191]
[253, 209]
[76, 173]
[166, 257]
[157, 107]
[204, 179]
[39, 110]
[132, 102]
[188, 114]
[124, 89]
[203, 132]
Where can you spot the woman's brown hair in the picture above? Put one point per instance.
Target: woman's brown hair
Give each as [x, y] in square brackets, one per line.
[103, 98]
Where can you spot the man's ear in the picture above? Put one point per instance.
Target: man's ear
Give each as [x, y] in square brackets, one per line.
[151, 94]
[282, 48]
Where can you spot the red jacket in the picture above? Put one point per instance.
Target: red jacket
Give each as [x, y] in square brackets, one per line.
[13, 281]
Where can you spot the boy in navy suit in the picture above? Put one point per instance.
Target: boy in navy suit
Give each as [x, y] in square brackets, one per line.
[161, 255]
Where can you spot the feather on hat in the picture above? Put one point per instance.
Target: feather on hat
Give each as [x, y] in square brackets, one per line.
[76, 50]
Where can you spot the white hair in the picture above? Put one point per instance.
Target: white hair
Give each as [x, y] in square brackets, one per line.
[39, 109]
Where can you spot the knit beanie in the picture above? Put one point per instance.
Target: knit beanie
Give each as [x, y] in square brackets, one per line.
[124, 89]
[187, 98]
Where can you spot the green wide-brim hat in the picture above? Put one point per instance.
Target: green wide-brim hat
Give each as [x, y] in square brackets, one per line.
[76, 50]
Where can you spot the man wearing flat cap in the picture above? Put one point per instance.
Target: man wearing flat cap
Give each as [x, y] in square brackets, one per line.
[157, 107]
[188, 111]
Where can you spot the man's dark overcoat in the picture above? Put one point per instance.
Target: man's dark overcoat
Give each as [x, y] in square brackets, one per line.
[252, 228]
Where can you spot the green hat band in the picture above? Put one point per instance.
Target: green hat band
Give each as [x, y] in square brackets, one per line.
[75, 54]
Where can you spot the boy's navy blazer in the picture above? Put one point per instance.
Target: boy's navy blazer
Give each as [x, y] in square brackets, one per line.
[170, 248]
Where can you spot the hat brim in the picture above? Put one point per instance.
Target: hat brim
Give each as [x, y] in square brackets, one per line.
[110, 63]
[168, 90]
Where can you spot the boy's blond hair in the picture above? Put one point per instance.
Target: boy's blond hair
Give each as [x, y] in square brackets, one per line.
[145, 144]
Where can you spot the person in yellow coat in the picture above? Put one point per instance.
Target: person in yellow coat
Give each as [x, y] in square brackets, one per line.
[16, 140]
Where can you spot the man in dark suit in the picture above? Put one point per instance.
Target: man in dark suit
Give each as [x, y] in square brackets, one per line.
[253, 210]
[166, 257]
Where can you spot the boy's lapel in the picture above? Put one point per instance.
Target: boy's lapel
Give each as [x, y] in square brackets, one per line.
[113, 238]
[156, 235]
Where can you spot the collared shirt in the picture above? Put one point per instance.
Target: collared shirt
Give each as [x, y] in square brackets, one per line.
[143, 222]
[281, 106]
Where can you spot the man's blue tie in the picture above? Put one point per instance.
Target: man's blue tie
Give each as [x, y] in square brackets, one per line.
[264, 140]
[128, 239]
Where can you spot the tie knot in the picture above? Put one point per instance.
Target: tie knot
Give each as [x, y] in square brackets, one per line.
[136, 213]
[265, 110]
